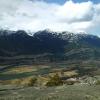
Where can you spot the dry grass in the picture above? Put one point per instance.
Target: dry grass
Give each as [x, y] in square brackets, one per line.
[54, 73]
[61, 73]
[28, 81]
[22, 69]
[42, 80]
[71, 73]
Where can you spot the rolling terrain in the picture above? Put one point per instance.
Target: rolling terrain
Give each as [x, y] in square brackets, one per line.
[48, 65]
[47, 46]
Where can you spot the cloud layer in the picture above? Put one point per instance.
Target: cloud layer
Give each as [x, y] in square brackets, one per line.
[38, 15]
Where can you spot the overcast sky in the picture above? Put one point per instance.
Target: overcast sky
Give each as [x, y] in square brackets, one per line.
[56, 15]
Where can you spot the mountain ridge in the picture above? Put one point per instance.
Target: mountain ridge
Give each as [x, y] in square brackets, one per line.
[62, 46]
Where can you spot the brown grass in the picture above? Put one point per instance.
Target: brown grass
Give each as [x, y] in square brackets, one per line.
[71, 73]
[19, 70]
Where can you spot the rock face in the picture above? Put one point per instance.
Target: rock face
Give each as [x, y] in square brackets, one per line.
[49, 45]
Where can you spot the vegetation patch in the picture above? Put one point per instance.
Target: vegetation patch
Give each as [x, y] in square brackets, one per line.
[28, 81]
[54, 81]
[72, 73]
[22, 69]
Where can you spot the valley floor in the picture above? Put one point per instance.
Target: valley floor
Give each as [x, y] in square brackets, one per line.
[87, 87]
[65, 92]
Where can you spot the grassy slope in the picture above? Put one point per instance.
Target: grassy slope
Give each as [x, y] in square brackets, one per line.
[66, 92]
[75, 92]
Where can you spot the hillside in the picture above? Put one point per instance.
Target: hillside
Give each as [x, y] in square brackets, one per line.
[47, 46]
[49, 66]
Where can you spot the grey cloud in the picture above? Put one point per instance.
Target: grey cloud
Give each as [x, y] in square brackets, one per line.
[37, 15]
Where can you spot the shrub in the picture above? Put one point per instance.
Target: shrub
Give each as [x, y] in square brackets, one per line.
[16, 81]
[97, 82]
[42, 80]
[54, 81]
[30, 81]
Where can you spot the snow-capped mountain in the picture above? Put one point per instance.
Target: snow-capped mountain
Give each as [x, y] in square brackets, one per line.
[61, 45]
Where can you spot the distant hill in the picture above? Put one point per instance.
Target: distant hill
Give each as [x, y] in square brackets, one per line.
[48, 45]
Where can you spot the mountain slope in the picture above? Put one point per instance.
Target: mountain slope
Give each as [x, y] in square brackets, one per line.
[49, 45]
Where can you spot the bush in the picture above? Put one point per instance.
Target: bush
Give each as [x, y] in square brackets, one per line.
[29, 81]
[97, 82]
[54, 81]
[16, 81]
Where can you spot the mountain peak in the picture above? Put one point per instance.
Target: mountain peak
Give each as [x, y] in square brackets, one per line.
[63, 44]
